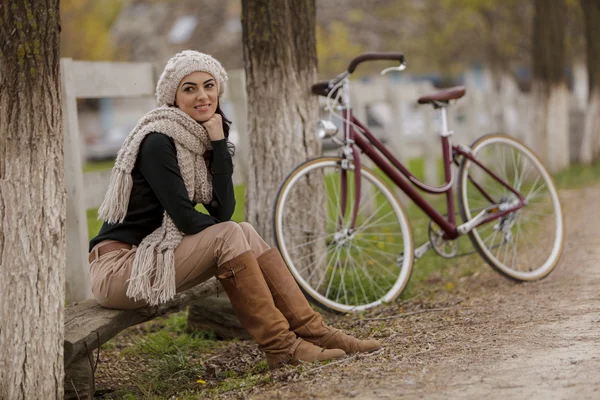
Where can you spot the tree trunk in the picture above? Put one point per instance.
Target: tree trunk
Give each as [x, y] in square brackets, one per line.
[32, 202]
[550, 93]
[590, 145]
[280, 61]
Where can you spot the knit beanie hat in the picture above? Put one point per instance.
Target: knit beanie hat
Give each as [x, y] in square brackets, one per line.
[183, 64]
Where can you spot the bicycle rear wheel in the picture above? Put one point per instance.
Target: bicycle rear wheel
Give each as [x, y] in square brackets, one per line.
[339, 268]
[526, 244]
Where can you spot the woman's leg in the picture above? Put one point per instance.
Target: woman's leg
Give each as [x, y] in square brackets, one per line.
[290, 300]
[198, 256]
[223, 250]
[109, 274]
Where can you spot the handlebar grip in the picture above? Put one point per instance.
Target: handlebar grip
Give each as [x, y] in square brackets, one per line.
[374, 56]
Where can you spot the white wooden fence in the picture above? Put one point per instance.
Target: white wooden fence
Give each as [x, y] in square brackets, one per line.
[82, 79]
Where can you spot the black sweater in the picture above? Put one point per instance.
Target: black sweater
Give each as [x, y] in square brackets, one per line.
[158, 187]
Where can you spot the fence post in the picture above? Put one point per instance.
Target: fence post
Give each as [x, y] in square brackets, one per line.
[77, 270]
[236, 93]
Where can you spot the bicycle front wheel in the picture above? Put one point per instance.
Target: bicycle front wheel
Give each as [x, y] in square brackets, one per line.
[524, 245]
[340, 267]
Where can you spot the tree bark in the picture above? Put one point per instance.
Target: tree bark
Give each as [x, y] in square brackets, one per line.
[280, 61]
[590, 145]
[550, 93]
[32, 202]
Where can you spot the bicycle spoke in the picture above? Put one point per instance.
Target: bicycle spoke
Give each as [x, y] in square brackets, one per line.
[316, 263]
[303, 230]
[372, 215]
[532, 195]
[352, 274]
[325, 235]
[333, 272]
[362, 289]
[366, 271]
[522, 178]
[305, 244]
[364, 227]
[386, 269]
[379, 233]
[301, 210]
[516, 244]
[327, 251]
[384, 253]
[343, 283]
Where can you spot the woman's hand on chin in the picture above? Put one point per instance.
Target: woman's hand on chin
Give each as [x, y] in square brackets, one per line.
[214, 127]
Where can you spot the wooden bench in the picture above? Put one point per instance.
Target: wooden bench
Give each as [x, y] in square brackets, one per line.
[88, 326]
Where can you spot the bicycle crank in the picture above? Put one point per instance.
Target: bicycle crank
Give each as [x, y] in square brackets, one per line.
[444, 247]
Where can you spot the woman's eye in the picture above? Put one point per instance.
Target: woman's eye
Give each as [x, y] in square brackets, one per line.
[188, 89]
[209, 85]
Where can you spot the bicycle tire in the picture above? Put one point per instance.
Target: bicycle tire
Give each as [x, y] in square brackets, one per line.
[507, 225]
[279, 209]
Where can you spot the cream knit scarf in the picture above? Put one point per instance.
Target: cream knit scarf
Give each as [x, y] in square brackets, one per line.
[153, 272]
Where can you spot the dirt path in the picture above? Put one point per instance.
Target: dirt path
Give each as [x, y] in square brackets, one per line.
[494, 339]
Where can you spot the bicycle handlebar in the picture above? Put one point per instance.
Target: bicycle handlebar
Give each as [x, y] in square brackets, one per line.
[374, 56]
[323, 88]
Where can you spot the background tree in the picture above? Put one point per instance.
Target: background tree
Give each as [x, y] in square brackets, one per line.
[590, 146]
[280, 61]
[550, 93]
[32, 202]
[85, 28]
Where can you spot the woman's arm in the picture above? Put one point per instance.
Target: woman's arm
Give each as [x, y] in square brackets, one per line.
[223, 203]
[157, 161]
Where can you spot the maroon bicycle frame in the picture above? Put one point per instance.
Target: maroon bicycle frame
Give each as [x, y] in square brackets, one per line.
[366, 142]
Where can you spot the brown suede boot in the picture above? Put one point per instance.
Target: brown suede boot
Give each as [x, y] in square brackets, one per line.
[303, 320]
[253, 304]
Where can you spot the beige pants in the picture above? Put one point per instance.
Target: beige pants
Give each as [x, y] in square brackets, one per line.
[196, 260]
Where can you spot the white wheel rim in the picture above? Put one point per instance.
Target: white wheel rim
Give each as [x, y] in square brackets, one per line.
[556, 250]
[406, 267]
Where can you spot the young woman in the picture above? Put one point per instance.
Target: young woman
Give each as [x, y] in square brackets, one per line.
[154, 243]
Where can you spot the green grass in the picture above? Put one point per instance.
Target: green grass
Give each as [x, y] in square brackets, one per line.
[172, 357]
[577, 176]
[92, 166]
[173, 363]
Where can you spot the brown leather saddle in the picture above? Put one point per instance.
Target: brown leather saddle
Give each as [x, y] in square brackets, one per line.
[443, 96]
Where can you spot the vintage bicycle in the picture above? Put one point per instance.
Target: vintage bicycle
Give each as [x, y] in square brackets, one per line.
[347, 239]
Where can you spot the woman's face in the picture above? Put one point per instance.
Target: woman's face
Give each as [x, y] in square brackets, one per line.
[198, 96]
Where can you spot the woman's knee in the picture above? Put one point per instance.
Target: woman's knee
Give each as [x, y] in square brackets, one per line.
[232, 234]
[229, 229]
[256, 242]
[248, 229]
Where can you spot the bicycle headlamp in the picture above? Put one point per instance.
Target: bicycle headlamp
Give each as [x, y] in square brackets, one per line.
[326, 129]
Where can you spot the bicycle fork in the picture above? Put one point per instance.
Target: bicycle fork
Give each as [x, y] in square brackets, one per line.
[351, 156]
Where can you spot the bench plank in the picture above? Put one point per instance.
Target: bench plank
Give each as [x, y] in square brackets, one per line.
[88, 325]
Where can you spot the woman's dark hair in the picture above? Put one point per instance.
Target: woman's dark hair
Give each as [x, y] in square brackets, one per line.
[226, 125]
